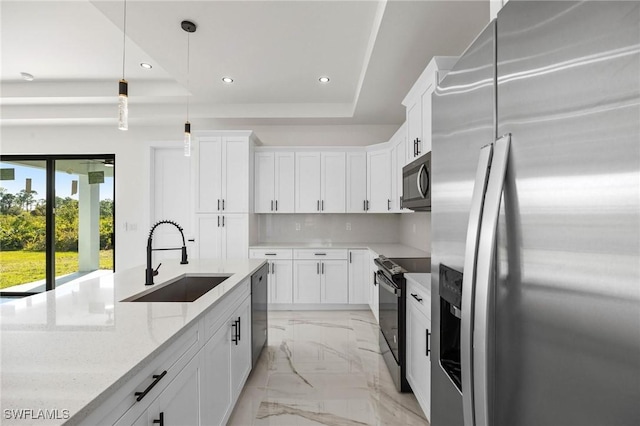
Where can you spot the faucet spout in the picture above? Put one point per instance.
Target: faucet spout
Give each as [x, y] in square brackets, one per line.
[150, 272]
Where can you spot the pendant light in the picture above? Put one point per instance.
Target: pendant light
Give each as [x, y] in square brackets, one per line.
[123, 85]
[189, 27]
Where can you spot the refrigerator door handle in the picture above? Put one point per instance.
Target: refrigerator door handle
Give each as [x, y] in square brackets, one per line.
[484, 280]
[468, 281]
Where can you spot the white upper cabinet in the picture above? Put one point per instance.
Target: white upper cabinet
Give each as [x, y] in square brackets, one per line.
[274, 182]
[398, 161]
[333, 182]
[320, 182]
[222, 174]
[418, 104]
[378, 181]
[356, 182]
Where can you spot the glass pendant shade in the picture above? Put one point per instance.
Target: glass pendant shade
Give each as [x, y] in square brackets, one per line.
[123, 105]
[187, 139]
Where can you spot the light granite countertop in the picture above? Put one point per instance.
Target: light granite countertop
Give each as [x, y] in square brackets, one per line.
[423, 280]
[71, 348]
[385, 249]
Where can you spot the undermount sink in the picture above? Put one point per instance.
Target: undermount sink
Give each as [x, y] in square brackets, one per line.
[184, 289]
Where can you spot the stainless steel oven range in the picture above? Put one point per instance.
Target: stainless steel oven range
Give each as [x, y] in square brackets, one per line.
[392, 308]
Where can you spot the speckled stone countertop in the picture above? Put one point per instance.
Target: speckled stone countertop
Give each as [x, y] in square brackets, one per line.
[70, 348]
[385, 249]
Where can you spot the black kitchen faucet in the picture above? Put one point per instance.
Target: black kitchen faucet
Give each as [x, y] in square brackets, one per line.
[150, 272]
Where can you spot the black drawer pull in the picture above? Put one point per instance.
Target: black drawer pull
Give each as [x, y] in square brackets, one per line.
[320, 254]
[415, 296]
[428, 348]
[157, 378]
[271, 254]
[159, 421]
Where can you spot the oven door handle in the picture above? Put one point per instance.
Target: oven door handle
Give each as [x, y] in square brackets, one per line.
[390, 288]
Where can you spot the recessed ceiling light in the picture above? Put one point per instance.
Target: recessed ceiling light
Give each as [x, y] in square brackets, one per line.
[323, 79]
[146, 66]
[26, 76]
[228, 80]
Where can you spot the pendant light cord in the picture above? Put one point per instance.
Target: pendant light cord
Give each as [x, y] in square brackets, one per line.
[124, 37]
[188, 74]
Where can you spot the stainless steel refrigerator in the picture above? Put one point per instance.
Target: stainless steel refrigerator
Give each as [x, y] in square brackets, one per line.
[536, 221]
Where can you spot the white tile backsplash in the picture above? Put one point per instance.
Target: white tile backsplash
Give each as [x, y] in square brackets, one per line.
[415, 230]
[329, 228]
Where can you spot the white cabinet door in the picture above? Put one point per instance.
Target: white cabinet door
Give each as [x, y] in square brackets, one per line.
[306, 281]
[375, 296]
[216, 394]
[240, 347]
[379, 181]
[414, 129]
[419, 357]
[284, 182]
[179, 403]
[235, 236]
[334, 287]
[209, 175]
[333, 182]
[356, 182]
[265, 178]
[281, 281]
[235, 178]
[209, 236]
[359, 277]
[425, 143]
[307, 182]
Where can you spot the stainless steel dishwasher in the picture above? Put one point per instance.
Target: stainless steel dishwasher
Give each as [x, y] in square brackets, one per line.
[259, 321]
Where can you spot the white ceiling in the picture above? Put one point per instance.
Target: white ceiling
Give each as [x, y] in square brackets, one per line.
[373, 51]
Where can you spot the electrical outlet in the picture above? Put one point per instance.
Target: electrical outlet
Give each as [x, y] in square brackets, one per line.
[297, 226]
[414, 228]
[348, 226]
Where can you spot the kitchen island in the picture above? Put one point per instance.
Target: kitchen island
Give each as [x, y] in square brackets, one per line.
[68, 354]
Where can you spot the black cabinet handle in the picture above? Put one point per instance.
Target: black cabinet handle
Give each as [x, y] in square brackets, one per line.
[417, 153]
[322, 268]
[157, 378]
[415, 296]
[428, 348]
[322, 205]
[159, 421]
[191, 240]
[235, 338]
[218, 204]
[375, 281]
[223, 204]
[364, 205]
[388, 204]
[270, 254]
[318, 205]
[239, 328]
[223, 216]
[271, 205]
[350, 253]
[273, 268]
[276, 205]
[218, 221]
[320, 254]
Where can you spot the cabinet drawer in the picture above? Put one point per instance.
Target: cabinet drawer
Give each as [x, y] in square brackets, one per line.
[419, 297]
[154, 377]
[271, 254]
[320, 254]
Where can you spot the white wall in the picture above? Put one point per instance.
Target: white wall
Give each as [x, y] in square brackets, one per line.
[132, 161]
[329, 228]
[415, 230]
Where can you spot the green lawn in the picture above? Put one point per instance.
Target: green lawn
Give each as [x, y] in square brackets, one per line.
[19, 267]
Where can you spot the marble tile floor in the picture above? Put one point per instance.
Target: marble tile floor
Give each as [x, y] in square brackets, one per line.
[323, 368]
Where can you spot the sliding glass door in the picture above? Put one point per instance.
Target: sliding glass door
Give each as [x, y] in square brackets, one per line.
[56, 220]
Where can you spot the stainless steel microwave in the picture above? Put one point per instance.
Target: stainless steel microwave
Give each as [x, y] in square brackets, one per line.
[416, 184]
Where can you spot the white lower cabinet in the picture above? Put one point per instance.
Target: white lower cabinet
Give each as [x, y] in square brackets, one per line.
[359, 292]
[191, 382]
[419, 345]
[334, 285]
[306, 281]
[373, 287]
[320, 276]
[280, 281]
